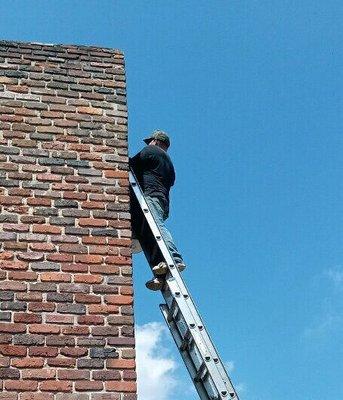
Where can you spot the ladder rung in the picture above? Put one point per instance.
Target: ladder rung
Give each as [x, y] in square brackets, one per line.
[201, 373]
[186, 341]
[173, 310]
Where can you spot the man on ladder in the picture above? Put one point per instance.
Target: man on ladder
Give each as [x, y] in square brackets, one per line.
[156, 175]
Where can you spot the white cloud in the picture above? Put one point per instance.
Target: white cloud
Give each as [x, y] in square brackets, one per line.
[157, 371]
[328, 324]
[241, 388]
[230, 366]
[155, 367]
[330, 320]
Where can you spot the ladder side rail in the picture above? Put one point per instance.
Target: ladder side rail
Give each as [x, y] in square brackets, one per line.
[177, 287]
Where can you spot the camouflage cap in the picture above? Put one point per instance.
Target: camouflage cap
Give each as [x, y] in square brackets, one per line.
[158, 135]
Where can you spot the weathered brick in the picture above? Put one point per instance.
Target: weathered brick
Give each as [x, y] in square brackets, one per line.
[6, 296]
[20, 385]
[117, 386]
[45, 266]
[5, 316]
[13, 350]
[29, 362]
[103, 353]
[12, 327]
[13, 305]
[56, 386]
[71, 308]
[60, 297]
[90, 363]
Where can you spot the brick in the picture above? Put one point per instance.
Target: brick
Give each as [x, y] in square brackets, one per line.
[5, 316]
[89, 110]
[105, 396]
[22, 275]
[121, 341]
[88, 259]
[60, 341]
[4, 362]
[76, 330]
[29, 362]
[45, 266]
[120, 364]
[29, 340]
[13, 350]
[9, 373]
[105, 331]
[12, 328]
[74, 351]
[56, 386]
[20, 385]
[71, 308]
[119, 299]
[43, 287]
[61, 362]
[74, 288]
[87, 299]
[30, 256]
[75, 375]
[88, 386]
[83, 278]
[44, 351]
[6, 296]
[90, 363]
[41, 373]
[41, 306]
[36, 396]
[73, 248]
[75, 396]
[102, 309]
[105, 289]
[44, 328]
[8, 396]
[121, 386]
[59, 319]
[13, 305]
[55, 277]
[59, 297]
[104, 353]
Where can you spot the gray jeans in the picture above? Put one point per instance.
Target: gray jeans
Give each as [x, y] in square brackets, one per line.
[158, 214]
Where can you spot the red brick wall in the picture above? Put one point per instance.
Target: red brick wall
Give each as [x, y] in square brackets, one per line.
[66, 317]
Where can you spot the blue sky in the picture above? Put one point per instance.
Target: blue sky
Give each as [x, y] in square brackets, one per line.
[251, 94]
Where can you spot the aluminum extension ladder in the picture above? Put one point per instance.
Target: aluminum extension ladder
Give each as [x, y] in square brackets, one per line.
[190, 335]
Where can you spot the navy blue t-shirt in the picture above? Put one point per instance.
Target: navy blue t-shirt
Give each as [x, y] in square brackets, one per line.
[155, 173]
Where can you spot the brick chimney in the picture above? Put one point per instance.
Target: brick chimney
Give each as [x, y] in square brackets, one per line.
[66, 315]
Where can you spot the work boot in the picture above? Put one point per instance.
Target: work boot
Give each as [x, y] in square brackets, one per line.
[160, 269]
[155, 284]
